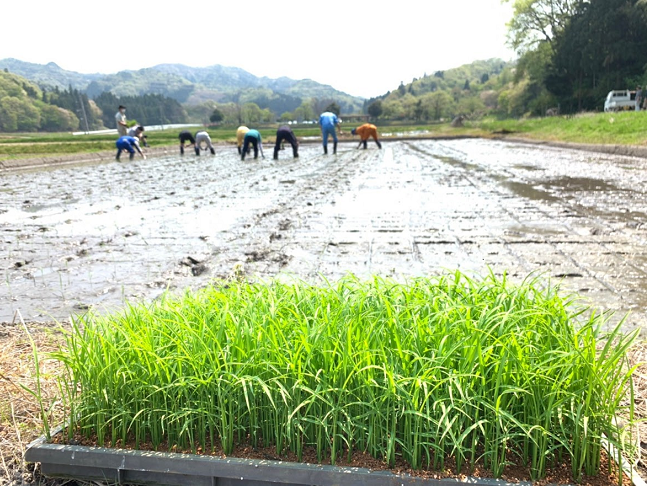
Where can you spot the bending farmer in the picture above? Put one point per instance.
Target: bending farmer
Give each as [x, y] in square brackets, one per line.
[138, 132]
[365, 132]
[252, 137]
[185, 136]
[327, 122]
[240, 136]
[201, 137]
[129, 144]
[285, 133]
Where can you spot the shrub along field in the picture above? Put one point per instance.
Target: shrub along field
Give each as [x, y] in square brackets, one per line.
[480, 372]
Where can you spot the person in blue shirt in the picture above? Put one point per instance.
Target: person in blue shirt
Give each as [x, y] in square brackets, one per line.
[328, 121]
[129, 144]
[252, 137]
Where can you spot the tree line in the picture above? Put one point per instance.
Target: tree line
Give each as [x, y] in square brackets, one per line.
[26, 107]
[573, 52]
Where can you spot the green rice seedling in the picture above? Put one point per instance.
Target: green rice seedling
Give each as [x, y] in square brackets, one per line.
[481, 371]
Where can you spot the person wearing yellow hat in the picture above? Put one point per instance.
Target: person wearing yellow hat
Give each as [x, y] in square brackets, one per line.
[365, 132]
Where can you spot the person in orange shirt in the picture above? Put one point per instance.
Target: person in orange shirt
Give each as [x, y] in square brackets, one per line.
[365, 132]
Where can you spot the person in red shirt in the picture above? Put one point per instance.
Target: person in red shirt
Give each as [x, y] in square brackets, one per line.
[365, 132]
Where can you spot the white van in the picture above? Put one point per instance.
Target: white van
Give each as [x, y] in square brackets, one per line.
[620, 100]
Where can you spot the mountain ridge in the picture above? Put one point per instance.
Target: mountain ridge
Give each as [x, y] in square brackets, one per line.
[186, 84]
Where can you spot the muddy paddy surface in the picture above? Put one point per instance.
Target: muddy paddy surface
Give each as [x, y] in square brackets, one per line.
[94, 236]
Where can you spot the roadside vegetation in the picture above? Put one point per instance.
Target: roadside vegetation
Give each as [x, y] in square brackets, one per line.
[444, 368]
[622, 128]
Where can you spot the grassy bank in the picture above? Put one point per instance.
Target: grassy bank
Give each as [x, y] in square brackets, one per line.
[624, 128]
[438, 369]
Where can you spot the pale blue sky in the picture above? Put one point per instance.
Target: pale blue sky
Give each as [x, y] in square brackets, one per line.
[356, 47]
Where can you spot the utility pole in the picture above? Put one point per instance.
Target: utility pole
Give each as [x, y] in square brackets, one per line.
[85, 117]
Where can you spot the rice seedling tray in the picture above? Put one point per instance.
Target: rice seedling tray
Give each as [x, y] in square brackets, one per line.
[124, 466]
[436, 369]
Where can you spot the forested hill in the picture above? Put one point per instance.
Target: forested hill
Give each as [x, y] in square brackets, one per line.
[573, 53]
[188, 85]
[50, 75]
[471, 89]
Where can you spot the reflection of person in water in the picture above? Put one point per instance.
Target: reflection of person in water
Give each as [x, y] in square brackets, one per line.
[129, 144]
[203, 137]
[365, 132]
[252, 137]
[240, 137]
[185, 136]
[285, 133]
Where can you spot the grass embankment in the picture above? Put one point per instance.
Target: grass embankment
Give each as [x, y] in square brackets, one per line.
[473, 371]
[623, 128]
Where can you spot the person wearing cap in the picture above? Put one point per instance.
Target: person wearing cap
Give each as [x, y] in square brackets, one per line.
[240, 137]
[203, 137]
[185, 136]
[328, 122]
[252, 137]
[138, 132]
[285, 133]
[365, 132]
[120, 118]
[129, 144]
[639, 97]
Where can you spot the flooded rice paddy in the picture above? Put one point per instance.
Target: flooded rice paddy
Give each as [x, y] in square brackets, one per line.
[96, 236]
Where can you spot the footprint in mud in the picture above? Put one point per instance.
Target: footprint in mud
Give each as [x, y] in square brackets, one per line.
[256, 256]
[285, 225]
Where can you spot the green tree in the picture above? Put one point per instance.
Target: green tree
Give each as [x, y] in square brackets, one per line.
[375, 109]
[470, 105]
[539, 20]
[439, 104]
[602, 48]
[56, 119]
[392, 109]
[333, 108]
[217, 116]
[305, 111]
[18, 114]
[251, 113]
